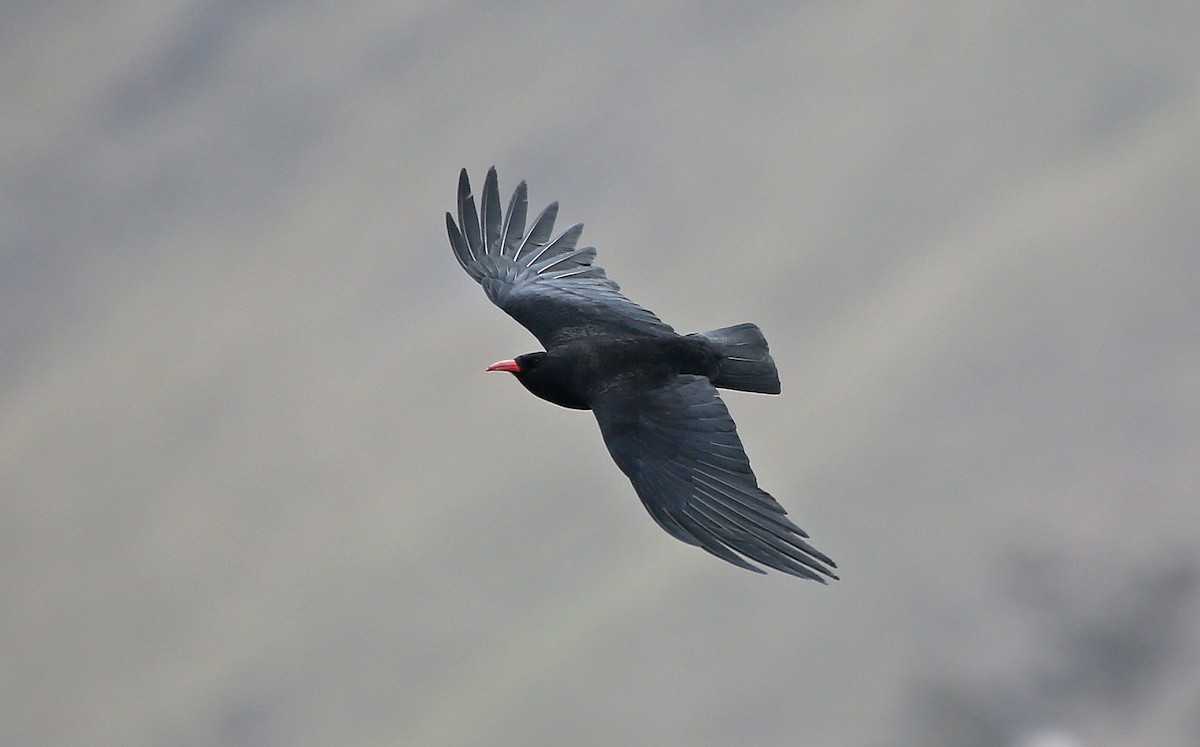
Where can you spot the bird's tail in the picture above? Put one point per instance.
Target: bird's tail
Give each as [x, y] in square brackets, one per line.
[746, 362]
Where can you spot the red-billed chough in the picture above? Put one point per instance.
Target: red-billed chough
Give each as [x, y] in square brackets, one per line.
[653, 392]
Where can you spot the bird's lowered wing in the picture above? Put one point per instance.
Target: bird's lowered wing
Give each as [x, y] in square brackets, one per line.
[680, 449]
[549, 286]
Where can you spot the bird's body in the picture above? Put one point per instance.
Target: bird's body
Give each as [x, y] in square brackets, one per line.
[575, 373]
[653, 391]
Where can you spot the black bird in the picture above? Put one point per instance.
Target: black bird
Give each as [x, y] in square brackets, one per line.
[652, 391]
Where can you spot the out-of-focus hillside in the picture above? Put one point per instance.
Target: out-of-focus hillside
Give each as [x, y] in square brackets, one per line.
[256, 489]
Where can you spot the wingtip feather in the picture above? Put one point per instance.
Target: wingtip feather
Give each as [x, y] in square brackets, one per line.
[514, 220]
[489, 208]
[539, 233]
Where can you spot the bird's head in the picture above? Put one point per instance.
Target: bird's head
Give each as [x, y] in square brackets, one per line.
[521, 366]
[547, 376]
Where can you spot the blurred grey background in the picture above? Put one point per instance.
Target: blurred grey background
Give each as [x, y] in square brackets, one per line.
[257, 490]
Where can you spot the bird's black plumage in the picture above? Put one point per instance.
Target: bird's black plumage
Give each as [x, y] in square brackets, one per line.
[653, 392]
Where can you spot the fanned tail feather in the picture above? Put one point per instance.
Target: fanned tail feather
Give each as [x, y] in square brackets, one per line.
[746, 363]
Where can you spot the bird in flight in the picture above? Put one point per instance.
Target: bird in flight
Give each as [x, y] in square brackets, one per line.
[653, 392]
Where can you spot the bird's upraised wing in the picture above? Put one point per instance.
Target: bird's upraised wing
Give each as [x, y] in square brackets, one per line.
[680, 449]
[550, 287]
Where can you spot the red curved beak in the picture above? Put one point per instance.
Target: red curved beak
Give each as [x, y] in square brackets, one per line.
[510, 365]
